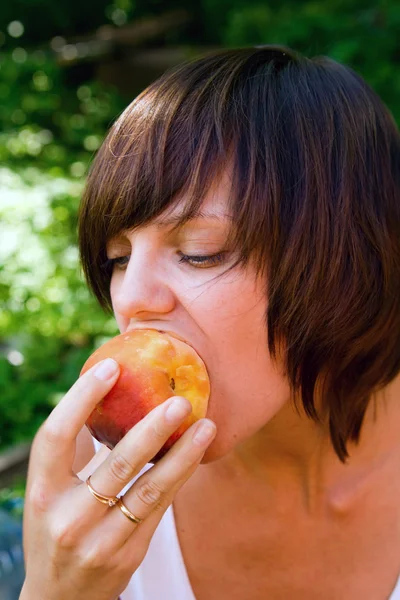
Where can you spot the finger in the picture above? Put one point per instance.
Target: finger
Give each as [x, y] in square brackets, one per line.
[153, 492]
[131, 544]
[53, 449]
[144, 532]
[150, 490]
[142, 442]
[139, 446]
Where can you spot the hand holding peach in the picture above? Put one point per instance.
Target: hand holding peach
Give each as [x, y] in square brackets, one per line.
[154, 365]
[63, 522]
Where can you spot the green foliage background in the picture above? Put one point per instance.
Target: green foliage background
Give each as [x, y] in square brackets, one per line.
[50, 129]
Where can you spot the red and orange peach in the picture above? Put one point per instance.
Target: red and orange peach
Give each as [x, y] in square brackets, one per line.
[154, 365]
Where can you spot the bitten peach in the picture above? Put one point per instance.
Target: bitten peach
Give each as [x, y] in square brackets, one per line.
[154, 365]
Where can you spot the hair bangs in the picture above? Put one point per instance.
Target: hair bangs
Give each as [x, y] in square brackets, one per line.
[172, 143]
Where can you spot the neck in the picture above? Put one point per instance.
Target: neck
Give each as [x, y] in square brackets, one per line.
[294, 455]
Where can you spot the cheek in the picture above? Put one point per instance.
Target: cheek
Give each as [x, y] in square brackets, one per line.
[247, 388]
[245, 395]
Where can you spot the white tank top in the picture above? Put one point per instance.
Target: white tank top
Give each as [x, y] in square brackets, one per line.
[162, 575]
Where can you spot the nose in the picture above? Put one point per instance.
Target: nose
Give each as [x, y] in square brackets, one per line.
[142, 290]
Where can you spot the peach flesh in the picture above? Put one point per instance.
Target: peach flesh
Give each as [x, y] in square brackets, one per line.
[154, 365]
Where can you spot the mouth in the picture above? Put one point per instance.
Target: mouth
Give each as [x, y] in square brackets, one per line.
[178, 337]
[175, 335]
[171, 333]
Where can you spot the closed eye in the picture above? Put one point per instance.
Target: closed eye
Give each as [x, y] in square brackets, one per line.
[120, 262]
[208, 260]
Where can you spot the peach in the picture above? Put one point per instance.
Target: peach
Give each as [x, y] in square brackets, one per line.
[154, 365]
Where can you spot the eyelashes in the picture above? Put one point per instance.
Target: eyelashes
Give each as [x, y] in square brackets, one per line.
[208, 260]
[197, 261]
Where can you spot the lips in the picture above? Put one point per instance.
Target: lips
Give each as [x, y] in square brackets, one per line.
[171, 333]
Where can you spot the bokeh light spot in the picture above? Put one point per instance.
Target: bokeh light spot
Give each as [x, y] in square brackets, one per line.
[41, 81]
[84, 92]
[77, 169]
[15, 29]
[57, 43]
[91, 142]
[19, 55]
[15, 358]
[33, 304]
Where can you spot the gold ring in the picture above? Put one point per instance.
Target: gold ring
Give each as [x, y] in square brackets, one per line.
[128, 513]
[110, 500]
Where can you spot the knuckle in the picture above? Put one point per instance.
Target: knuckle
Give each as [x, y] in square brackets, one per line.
[92, 559]
[61, 534]
[159, 507]
[51, 433]
[39, 496]
[159, 432]
[121, 469]
[121, 567]
[150, 493]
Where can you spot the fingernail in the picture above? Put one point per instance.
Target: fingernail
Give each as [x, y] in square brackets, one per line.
[176, 410]
[106, 369]
[204, 433]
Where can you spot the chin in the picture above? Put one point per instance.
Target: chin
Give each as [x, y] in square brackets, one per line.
[216, 451]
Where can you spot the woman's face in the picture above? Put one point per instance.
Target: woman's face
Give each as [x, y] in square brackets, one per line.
[222, 319]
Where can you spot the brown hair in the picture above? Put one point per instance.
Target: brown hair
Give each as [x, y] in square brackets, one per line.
[315, 200]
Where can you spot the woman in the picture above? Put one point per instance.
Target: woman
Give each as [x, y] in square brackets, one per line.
[249, 202]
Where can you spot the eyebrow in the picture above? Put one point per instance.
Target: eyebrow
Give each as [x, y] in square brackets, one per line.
[197, 216]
